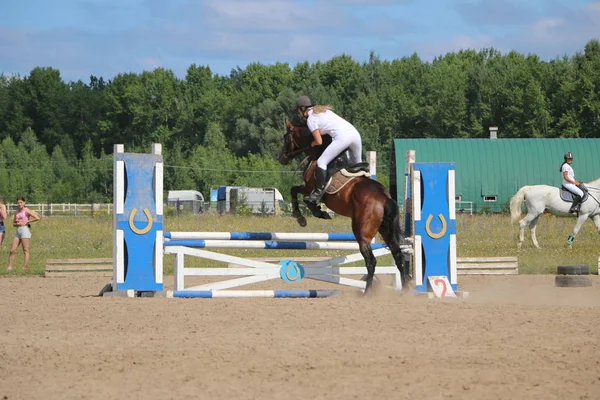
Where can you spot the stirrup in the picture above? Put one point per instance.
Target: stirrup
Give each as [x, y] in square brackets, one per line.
[315, 197]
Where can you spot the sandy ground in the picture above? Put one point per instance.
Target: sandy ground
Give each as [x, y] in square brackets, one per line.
[515, 337]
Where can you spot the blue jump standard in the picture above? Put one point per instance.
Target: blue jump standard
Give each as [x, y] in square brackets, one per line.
[208, 294]
[201, 244]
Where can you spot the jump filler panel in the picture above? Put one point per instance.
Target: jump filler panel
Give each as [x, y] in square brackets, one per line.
[434, 227]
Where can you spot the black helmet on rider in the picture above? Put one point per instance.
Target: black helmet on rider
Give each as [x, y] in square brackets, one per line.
[568, 155]
[303, 102]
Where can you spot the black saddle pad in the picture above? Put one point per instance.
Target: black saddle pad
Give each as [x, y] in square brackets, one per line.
[567, 196]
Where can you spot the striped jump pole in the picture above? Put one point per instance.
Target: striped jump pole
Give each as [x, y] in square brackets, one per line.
[211, 294]
[267, 245]
[328, 237]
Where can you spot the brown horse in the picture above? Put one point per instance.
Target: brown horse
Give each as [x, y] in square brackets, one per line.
[363, 199]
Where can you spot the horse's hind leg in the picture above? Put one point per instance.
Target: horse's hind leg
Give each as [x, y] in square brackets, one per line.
[370, 262]
[532, 226]
[399, 261]
[393, 244]
[522, 223]
[364, 244]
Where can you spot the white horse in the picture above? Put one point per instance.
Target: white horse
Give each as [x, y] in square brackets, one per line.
[544, 198]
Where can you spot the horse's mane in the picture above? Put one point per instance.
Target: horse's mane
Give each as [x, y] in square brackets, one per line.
[326, 138]
[322, 109]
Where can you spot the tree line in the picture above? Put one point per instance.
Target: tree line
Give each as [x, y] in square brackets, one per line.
[57, 137]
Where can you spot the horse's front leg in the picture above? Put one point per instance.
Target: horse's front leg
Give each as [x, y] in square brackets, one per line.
[580, 220]
[596, 219]
[296, 190]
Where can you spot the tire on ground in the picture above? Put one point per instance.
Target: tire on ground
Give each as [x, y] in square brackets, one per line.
[577, 269]
[572, 281]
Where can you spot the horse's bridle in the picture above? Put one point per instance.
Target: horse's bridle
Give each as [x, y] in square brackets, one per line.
[290, 135]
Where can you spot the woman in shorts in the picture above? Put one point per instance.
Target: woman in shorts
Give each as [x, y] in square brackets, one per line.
[23, 217]
[3, 216]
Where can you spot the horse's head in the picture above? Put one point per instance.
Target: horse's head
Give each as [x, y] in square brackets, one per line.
[297, 140]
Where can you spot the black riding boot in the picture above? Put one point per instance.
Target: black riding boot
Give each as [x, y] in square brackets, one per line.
[317, 194]
[576, 204]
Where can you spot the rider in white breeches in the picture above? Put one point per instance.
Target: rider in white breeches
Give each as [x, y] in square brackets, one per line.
[321, 120]
[570, 183]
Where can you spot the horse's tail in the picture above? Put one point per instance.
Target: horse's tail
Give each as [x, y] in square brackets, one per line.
[515, 203]
[391, 229]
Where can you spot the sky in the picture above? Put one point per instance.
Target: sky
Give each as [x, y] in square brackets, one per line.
[107, 37]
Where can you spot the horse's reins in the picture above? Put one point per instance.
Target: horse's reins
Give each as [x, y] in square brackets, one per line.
[295, 153]
[298, 151]
[590, 195]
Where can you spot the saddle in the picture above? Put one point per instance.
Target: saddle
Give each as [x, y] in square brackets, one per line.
[347, 172]
[567, 196]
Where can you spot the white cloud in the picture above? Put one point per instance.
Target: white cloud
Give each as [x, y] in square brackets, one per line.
[303, 47]
[560, 31]
[563, 33]
[495, 12]
[271, 15]
[235, 32]
[368, 2]
[430, 49]
[544, 29]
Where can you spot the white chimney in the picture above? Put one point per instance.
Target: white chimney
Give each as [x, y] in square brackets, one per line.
[493, 132]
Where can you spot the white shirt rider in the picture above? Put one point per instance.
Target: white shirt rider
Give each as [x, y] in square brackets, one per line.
[344, 135]
[569, 181]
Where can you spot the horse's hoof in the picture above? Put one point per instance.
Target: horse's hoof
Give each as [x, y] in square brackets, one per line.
[405, 291]
[301, 221]
[323, 215]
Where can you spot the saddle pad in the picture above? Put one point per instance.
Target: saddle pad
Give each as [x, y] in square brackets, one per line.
[349, 174]
[341, 179]
[567, 196]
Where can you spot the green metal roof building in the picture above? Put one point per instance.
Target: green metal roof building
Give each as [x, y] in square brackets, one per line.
[490, 171]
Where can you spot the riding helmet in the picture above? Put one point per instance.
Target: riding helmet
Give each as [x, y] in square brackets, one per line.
[303, 101]
[568, 155]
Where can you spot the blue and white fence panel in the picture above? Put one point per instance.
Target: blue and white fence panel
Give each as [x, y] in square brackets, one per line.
[254, 271]
[434, 223]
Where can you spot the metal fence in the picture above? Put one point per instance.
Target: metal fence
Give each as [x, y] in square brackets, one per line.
[67, 208]
[97, 209]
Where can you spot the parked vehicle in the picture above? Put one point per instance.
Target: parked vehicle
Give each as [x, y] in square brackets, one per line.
[258, 200]
[188, 200]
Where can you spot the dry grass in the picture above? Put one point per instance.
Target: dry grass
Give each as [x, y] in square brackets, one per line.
[481, 235]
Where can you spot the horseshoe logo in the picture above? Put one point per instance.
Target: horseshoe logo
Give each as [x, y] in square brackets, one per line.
[296, 275]
[291, 271]
[148, 226]
[441, 233]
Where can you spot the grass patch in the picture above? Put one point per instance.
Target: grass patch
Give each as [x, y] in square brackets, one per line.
[477, 236]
